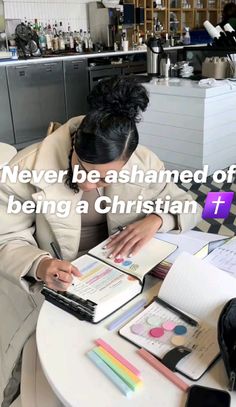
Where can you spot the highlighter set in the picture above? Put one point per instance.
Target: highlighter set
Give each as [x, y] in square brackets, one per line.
[122, 373]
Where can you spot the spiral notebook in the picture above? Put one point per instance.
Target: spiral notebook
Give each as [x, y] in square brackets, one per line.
[184, 314]
[106, 284]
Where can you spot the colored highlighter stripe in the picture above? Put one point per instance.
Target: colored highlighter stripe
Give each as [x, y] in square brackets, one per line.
[108, 372]
[129, 378]
[118, 356]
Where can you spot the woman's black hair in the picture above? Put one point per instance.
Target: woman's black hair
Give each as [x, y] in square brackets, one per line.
[108, 132]
[228, 12]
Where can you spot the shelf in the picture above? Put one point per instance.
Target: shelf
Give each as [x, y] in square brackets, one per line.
[175, 9]
[200, 9]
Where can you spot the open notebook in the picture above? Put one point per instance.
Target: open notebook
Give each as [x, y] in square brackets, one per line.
[196, 289]
[105, 284]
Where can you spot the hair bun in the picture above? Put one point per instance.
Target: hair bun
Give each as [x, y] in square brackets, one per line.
[121, 96]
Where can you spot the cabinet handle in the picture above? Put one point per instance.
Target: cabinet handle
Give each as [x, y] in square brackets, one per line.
[50, 67]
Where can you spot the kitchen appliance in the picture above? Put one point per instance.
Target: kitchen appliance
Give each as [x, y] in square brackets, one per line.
[105, 24]
[27, 41]
[154, 55]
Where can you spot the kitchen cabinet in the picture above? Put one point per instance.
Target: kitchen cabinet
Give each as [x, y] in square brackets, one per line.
[76, 87]
[37, 97]
[6, 128]
[98, 73]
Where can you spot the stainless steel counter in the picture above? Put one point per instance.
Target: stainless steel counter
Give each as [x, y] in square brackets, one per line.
[85, 55]
[58, 57]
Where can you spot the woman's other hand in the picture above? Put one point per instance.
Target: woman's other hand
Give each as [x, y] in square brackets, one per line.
[134, 237]
[56, 274]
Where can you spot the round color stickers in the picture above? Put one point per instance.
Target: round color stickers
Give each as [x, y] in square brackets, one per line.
[159, 329]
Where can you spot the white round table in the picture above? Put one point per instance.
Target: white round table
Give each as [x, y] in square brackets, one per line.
[7, 152]
[63, 341]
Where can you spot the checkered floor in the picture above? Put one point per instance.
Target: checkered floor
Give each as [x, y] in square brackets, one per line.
[199, 192]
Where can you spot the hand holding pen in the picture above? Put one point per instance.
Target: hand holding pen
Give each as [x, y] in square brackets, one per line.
[57, 273]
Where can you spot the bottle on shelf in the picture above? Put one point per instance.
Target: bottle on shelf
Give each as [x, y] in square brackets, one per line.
[71, 40]
[82, 43]
[55, 41]
[86, 42]
[167, 41]
[90, 42]
[42, 40]
[49, 37]
[61, 42]
[186, 38]
[36, 27]
[67, 38]
[78, 39]
[172, 41]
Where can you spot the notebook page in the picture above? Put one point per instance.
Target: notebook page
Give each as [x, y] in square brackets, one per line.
[101, 283]
[149, 256]
[201, 339]
[197, 288]
[224, 257]
[190, 241]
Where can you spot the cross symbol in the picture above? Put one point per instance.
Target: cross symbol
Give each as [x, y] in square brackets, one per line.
[218, 203]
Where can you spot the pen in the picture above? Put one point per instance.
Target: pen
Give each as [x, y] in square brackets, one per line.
[183, 316]
[121, 228]
[154, 362]
[55, 250]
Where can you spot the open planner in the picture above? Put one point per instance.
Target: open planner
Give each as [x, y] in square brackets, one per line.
[106, 284]
[224, 256]
[184, 315]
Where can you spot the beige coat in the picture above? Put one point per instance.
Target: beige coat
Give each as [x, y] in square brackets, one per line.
[24, 239]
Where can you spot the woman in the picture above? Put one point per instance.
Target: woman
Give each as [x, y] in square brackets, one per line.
[106, 139]
[229, 15]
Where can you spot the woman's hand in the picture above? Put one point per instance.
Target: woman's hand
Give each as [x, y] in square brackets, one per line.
[56, 274]
[133, 237]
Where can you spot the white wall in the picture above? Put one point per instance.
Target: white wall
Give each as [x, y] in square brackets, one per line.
[67, 11]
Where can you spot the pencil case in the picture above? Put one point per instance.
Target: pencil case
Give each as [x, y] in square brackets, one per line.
[227, 340]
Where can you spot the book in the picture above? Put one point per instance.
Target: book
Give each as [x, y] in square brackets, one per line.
[193, 242]
[184, 314]
[107, 284]
[224, 256]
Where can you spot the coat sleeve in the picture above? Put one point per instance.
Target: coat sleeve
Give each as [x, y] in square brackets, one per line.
[180, 222]
[18, 248]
